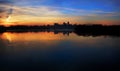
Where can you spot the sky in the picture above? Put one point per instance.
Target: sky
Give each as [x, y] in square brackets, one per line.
[42, 12]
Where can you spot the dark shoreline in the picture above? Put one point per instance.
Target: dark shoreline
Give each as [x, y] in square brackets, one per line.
[98, 30]
[81, 30]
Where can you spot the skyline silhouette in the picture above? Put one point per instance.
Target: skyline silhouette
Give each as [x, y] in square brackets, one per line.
[66, 28]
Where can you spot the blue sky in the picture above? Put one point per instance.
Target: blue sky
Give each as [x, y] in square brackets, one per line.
[107, 5]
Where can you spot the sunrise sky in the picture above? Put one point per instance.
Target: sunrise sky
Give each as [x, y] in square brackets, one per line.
[40, 12]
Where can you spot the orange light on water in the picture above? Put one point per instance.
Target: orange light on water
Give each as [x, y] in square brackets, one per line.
[48, 39]
[7, 36]
[32, 36]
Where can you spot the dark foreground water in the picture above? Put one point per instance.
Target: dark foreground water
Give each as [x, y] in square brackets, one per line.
[44, 51]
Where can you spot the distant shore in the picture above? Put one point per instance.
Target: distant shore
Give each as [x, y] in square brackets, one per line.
[85, 30]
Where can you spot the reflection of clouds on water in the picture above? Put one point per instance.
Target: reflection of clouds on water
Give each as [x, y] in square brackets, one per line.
[3, 40]
[7, 37]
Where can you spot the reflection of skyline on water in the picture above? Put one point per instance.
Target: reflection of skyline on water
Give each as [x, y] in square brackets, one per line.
[40, 40]
[46, 40]
[49, 37]
[36, 50]
[68, 32]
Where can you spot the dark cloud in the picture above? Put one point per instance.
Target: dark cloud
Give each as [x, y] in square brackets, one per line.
[6, 2]
[2, 9]
[5, 11]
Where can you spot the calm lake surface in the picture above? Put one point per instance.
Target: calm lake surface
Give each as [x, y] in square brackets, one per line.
[57, 52]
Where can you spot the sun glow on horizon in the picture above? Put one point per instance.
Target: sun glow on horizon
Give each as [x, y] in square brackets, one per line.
[8, 19]
[7, 22]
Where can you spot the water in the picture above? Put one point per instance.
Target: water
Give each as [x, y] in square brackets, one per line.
[57, 52]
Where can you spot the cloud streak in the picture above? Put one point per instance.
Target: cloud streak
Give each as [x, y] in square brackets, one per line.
[5, 11]
[43, 11]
